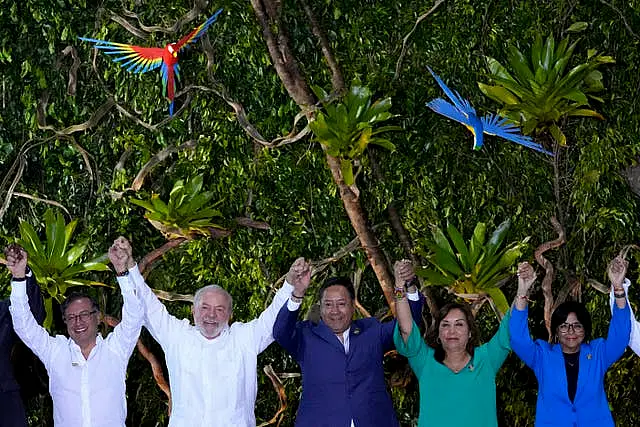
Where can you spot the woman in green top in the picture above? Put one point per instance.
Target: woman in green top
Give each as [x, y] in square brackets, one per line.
[456, 374]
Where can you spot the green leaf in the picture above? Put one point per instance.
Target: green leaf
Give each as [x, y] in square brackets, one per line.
[498, 93]
[433, 277]
[347, 171]
[30, 241]
[384, 143]
[587, 113]
[460, 246]
[578, 27]
[557, 135]
[498, 236]
[499, 299]
[477, 243]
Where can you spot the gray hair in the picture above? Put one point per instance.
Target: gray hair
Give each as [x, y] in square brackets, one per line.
[212, 288]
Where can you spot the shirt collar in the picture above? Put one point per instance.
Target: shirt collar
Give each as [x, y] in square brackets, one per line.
[77, 359]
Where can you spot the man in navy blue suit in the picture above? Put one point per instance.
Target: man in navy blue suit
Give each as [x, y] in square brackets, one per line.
[11, 408]
[340, 358]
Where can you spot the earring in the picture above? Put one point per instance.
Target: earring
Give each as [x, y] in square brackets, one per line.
[438, 341]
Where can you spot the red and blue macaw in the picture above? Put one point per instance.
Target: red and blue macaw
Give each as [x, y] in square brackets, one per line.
[462, 112]
[143, 59]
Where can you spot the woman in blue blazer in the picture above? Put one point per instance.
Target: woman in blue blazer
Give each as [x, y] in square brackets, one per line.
[571, 370]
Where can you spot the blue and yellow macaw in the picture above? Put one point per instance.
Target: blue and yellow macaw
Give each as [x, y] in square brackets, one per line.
[462, 112]
[143, 59]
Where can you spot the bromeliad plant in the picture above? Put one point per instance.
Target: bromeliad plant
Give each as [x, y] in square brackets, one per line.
[475, 271]
[347, 127]
[538, 91]
[188, 212]
[56, 266]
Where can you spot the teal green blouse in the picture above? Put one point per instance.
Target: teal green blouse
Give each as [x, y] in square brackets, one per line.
[465, 399]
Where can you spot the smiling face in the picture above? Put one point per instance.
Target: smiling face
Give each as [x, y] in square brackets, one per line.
[212, 313]
[453, 331]
[570, 334]
[81, 319]
[336, 308]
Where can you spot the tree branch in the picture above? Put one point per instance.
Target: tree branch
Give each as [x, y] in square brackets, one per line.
[38, 199]
[549, 271]
[277, 40]
[624, 18]
[282, 396]
[406, 38]
[337, 80]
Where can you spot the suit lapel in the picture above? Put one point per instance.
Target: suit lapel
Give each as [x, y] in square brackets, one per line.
[323, 331]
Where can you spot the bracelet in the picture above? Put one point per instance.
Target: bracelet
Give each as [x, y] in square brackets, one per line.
[123, 273]
[18, 279]
[399, 292]
[620, 294]
[524, 297]
[295, 298]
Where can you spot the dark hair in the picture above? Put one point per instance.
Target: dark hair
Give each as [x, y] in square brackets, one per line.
[75, 296]
[338, 281]
[433, 334]
[561, 313]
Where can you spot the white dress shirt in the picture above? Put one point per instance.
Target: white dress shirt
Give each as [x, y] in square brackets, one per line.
[634, 339]
[213, 382]
[85, 392]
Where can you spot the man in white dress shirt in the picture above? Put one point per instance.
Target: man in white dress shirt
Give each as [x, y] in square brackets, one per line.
[212, 366]
[86, 372]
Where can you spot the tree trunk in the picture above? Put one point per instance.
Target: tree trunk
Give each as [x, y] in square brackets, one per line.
[286, 66]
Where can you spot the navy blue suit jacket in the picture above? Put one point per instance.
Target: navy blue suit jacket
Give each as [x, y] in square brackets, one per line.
[339, 387]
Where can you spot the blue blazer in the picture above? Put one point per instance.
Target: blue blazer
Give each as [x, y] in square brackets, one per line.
[590, 407]
[339, 387]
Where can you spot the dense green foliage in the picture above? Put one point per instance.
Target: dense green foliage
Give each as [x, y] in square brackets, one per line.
[433, 177]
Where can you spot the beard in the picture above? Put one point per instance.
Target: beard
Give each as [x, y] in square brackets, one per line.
[211, 330]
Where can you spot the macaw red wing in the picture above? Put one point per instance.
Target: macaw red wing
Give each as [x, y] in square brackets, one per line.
[197, 32]
[138, 59]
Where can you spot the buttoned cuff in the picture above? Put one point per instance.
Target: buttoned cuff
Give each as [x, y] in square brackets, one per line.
[126, 283]
[413, 296]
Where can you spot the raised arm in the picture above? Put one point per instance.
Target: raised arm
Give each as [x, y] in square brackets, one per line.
[520, 337]
[36, 303]
[157, 319]
[285, 330]
[295, 286]
[498, 347]
[25, 325]
[403, 273]
[634, 339]
[126, 333]
[620, 326]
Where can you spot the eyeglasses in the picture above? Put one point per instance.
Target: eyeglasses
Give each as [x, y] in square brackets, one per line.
[82, 316]
[576, 327]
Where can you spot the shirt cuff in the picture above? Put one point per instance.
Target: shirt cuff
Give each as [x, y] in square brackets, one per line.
[19, 290]
[126, 284]
[293, 306]
[413, 296]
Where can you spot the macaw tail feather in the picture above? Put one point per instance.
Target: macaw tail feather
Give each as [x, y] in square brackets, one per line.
[171, 108]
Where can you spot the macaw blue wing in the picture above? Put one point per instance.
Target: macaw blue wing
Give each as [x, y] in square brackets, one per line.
[197, 32]
[441, 106]
[460, 103]
[494, 125]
